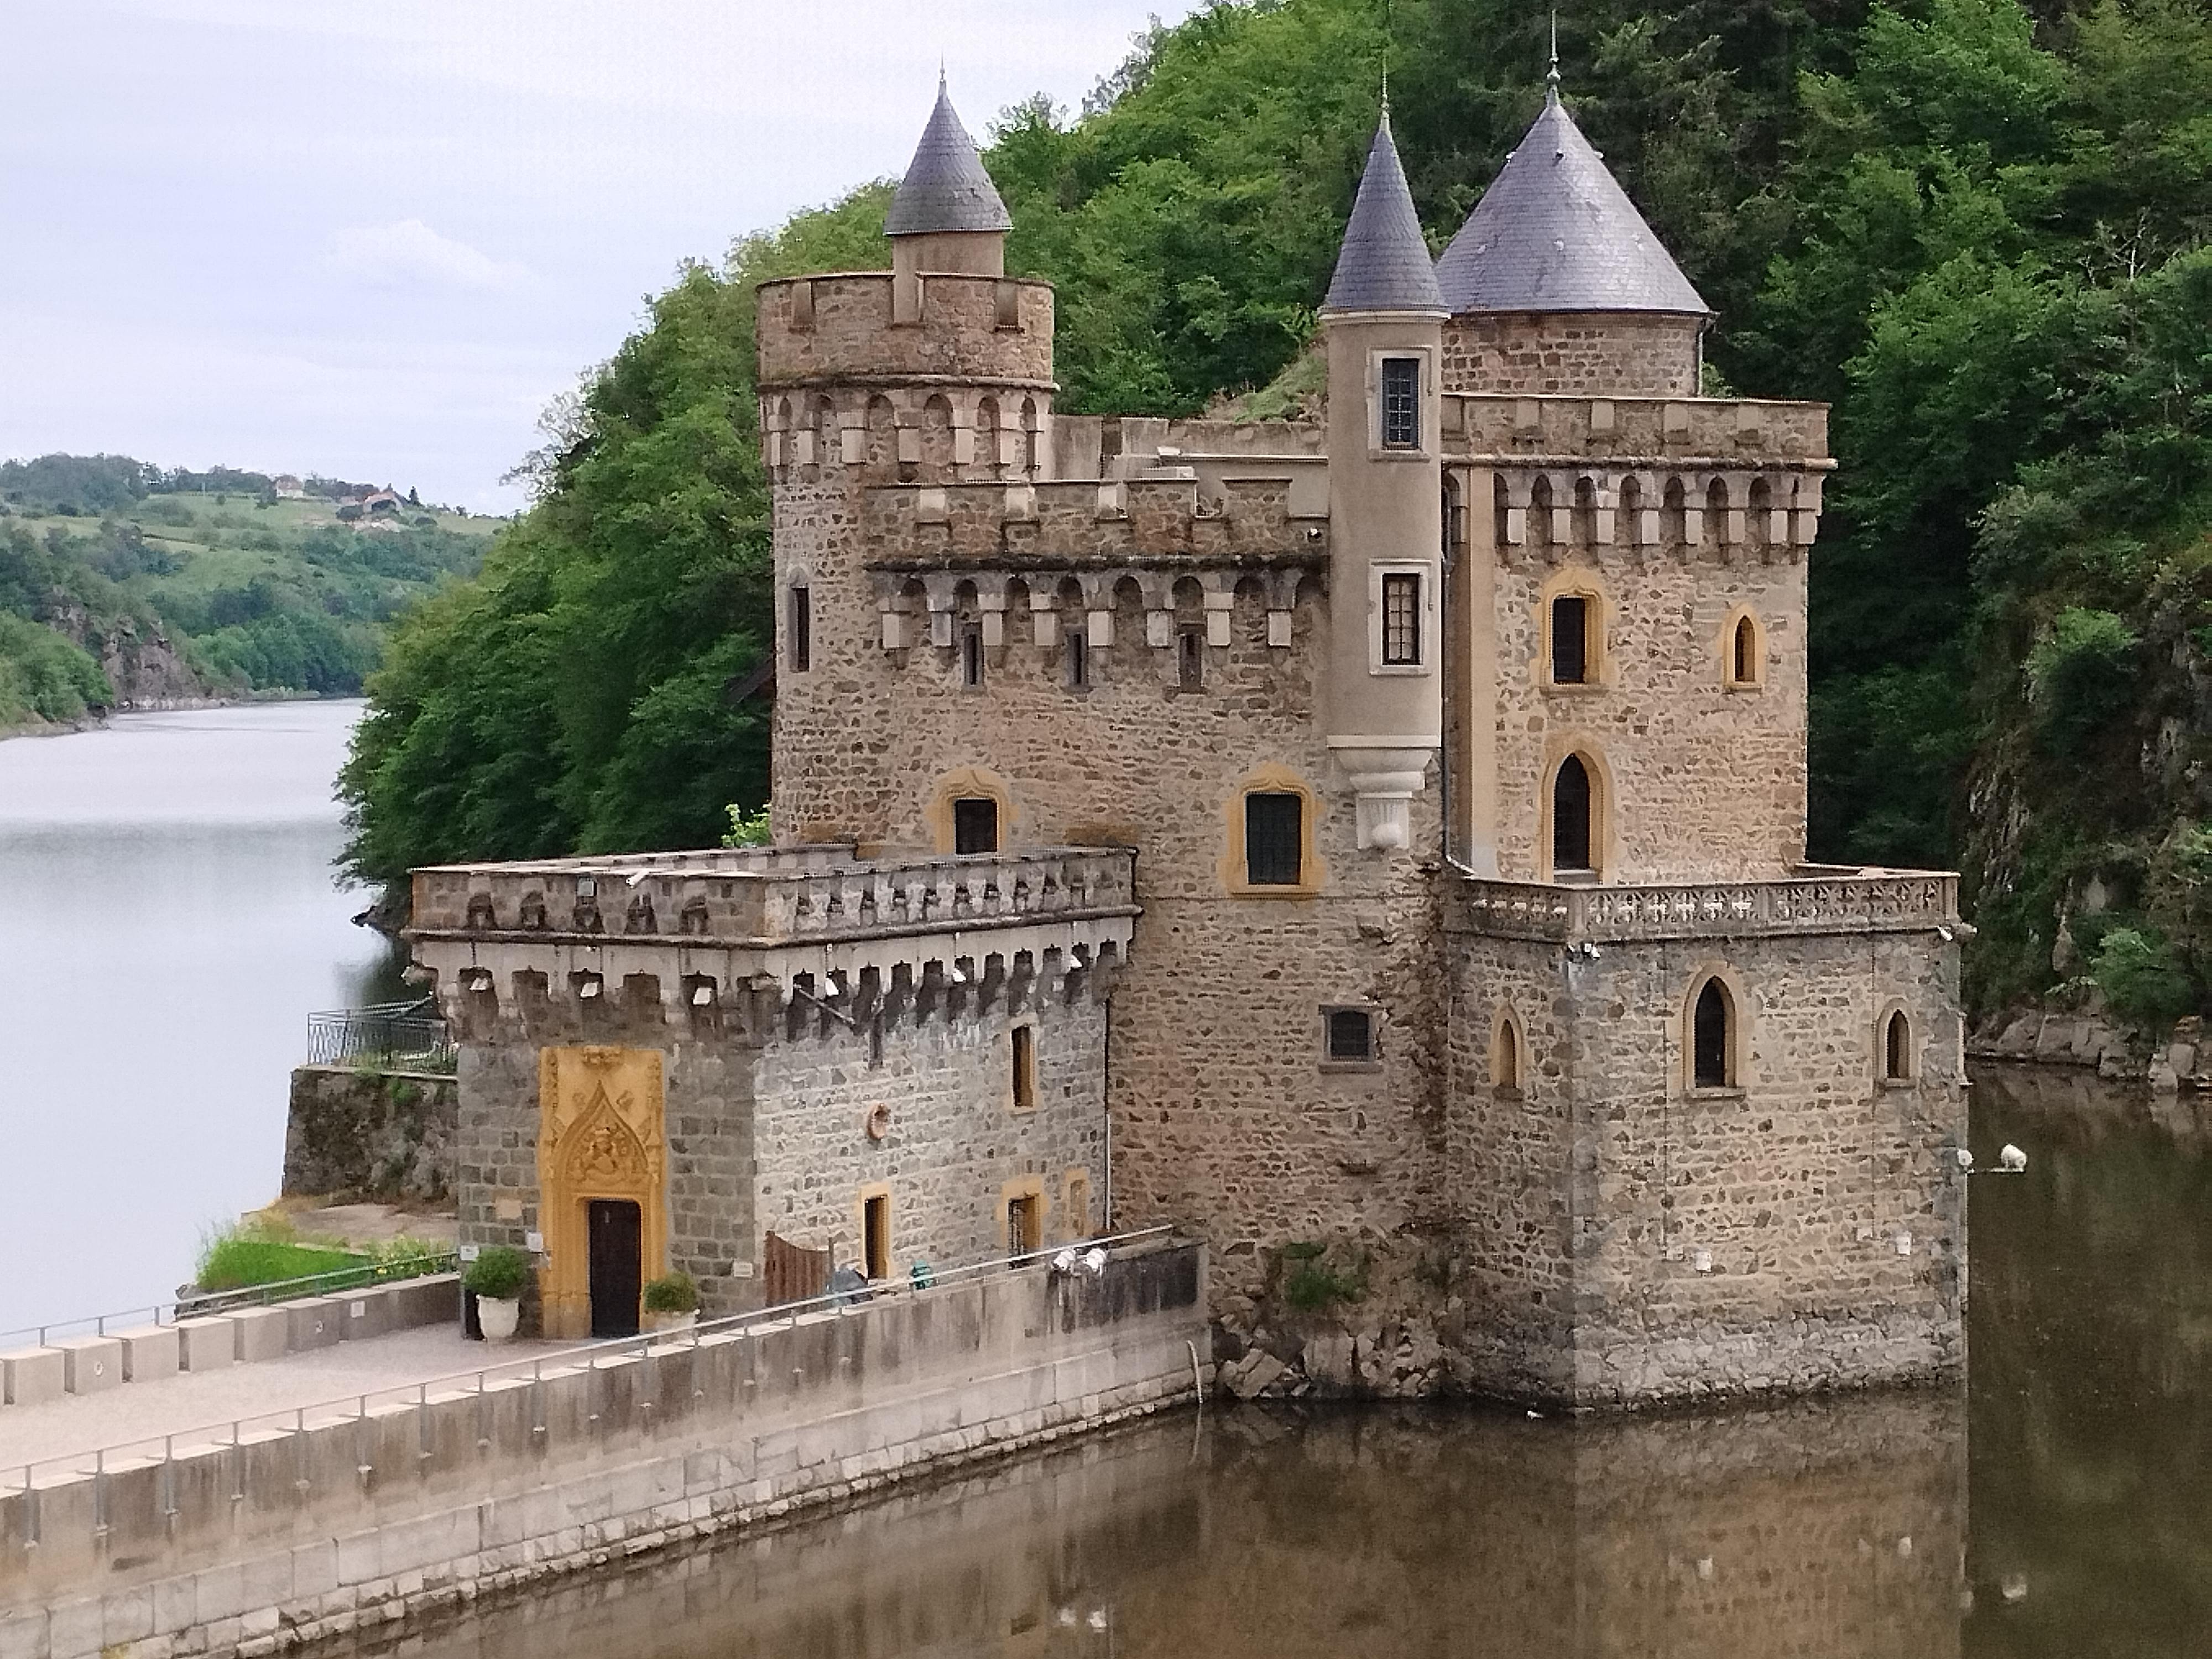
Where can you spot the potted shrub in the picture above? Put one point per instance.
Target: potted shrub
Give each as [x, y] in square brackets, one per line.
[496, 1277]
[671, 1302]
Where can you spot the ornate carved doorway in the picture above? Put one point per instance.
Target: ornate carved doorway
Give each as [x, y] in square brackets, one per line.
[601, 1152]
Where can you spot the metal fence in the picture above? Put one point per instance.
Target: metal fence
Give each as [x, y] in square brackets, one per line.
[399, 1036]
[198, 1304]
[1087, 1257]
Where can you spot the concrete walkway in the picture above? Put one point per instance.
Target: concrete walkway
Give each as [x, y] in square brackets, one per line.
[335, 1377]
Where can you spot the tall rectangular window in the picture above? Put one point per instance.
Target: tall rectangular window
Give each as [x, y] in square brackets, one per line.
[1401, 619]
[1570, 640]
[876, 1242]
[1401, 403]
[1024, 1050]
[975, 824]
[1078, 656]
[971, 655]
[1274, 834]
[1190, 659]
[802, 628]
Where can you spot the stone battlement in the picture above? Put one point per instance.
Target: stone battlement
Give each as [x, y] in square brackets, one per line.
[1682, 432]
[1828, 901]
[1093, 522]
[847, 329]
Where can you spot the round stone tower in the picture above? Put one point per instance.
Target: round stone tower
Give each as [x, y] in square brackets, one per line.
[1383, 322]
[1556, 285]
[937, 372]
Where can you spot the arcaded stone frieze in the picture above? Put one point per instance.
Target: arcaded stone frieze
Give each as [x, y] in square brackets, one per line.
[1862, 901]
[766, 896]
[1720, 431]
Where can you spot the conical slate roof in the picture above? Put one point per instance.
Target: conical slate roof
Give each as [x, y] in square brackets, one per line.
[945, 187]
[1384, 264]
[1555, 231]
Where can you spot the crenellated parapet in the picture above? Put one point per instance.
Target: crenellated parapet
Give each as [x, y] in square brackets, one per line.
[1095, 521]
[740, 943]
[1739, 476]
[1852, 901]
[850, 328]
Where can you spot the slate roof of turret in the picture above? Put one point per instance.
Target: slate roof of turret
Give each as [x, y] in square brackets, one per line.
[1556, 232]
[1384, 264]
[945, 187]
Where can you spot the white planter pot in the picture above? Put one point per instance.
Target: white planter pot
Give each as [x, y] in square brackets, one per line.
[671, 1321]
[498, 1317]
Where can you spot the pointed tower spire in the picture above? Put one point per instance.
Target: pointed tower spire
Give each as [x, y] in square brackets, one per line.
[1555, 231]
[1383, 265]
[945, 187]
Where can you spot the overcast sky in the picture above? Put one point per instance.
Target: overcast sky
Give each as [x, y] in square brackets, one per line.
[373, 238]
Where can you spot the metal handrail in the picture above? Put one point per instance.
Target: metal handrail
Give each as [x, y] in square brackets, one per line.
[355, 1407]
[379, 1271]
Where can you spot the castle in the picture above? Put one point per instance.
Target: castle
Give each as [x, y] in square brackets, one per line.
[1383, 833]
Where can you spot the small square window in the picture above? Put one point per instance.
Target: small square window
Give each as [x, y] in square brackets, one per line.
[1401, 403]
[1275, 854]
[1401, 619]
[1351, 1034]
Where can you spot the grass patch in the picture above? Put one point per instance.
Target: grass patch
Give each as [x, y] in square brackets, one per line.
[267, 1249]
[1312, 1284]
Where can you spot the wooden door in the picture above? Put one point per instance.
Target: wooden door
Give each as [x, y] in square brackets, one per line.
[791, 1273]
[616, 1231]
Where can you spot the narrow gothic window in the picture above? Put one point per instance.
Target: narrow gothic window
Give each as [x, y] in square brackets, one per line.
[1273, 830]
[976, 825]
[1746, 652]
[802, 628]
[1710, 1045]
[1079, 658]
[1401, 619]
[1570, 817]
[1401, 403]
[1351, 1034]
[1506, 1073]
[1570, 639]
[971, 656]
[1190, 659]
[1897, 1048]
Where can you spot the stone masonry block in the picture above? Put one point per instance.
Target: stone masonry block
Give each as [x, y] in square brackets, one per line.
[31, 1377]
[91, 1365]
[204, 1344]
[149, 1353]
[365, 1313]
[260, 1333]
[314, 1321]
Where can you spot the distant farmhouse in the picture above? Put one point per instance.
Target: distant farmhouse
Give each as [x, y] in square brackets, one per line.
[1374, 845]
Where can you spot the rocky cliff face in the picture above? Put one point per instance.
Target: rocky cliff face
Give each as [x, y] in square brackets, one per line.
[139, 660]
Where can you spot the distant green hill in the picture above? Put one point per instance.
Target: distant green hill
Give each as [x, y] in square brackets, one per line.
[122, 584]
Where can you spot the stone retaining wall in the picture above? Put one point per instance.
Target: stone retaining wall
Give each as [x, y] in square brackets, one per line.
[371, 1137]
[287, 1537]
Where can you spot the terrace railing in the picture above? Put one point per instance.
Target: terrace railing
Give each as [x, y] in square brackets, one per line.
[410, 1036]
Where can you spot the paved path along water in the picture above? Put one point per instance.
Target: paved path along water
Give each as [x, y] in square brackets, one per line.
[328, 1377]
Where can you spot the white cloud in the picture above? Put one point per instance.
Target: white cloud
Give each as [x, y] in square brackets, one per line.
[408, 251]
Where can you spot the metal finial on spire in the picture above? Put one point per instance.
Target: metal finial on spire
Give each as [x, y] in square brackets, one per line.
[1386, 90]
[1552, 76]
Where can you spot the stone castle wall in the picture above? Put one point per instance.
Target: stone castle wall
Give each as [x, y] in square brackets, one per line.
[1739, 1238]
[1687, 765]
[1624, 354]
[840, 328]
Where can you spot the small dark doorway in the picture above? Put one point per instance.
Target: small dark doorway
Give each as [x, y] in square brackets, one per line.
[1570, 817]
[976, 825]
[617, 1268]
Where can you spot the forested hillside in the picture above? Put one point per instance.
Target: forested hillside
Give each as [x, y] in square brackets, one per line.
[1977, 228]
[121, 583]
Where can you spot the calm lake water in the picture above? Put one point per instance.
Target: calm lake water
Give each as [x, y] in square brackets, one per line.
[168, 918]
[2056, 1508]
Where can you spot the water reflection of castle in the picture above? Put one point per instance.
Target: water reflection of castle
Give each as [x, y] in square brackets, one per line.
[1820, 1529]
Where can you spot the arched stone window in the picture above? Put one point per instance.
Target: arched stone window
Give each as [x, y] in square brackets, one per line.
[1574, 818]
[1571, 629]
[1898, 1056]
[1714, 1037]
[1743, 651]
[1508, 1053]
